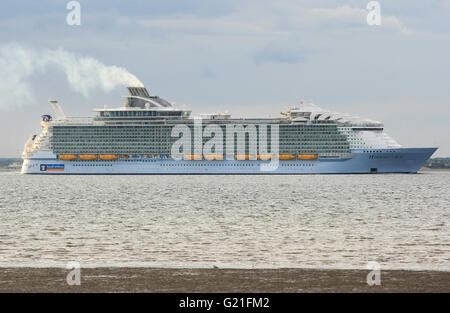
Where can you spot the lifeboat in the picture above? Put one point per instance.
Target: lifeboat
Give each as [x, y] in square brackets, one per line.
[68, 157]
[287, 156]
[108, 157]
[307, 156]
[193, 157]
[264, 157]
[88, 157]
[244, 157]
[212, 157]
[124, 156]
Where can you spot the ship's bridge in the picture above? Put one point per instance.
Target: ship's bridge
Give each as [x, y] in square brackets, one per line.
[141, 105]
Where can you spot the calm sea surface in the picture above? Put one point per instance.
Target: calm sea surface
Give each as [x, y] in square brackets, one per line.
[333, 221]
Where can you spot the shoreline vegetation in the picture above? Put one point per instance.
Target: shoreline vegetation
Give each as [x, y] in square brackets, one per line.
[15, 164]
[129, 279]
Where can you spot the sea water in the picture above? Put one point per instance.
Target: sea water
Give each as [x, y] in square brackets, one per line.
[263, 221]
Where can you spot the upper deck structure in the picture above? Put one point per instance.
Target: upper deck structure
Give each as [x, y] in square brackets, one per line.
[307, 137]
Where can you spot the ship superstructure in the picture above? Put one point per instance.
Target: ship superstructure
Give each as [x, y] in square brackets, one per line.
[139, 138]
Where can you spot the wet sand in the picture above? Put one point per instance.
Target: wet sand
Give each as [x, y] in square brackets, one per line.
[219, 280]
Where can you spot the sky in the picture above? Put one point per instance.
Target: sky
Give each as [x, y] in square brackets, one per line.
[244, 57]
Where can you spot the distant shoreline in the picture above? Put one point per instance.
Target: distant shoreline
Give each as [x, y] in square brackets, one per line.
[428, 169]
[128, 279]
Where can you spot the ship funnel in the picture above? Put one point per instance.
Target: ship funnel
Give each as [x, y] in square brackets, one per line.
[139, 92]
[140, 98]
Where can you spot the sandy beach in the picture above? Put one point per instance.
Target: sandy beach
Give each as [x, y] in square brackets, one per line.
[219, 280]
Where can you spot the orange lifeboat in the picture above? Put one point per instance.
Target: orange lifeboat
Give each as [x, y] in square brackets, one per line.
[124, 156]
[264, 157]
[212, 157]
[307, 156]
[287, 156]
[244, 157]
[196, 157]
[88, 157]
[109, 157]
[68, 157]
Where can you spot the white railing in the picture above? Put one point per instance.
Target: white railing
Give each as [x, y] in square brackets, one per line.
[73, 121]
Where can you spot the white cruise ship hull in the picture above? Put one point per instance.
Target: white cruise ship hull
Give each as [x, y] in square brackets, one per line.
[400, 160]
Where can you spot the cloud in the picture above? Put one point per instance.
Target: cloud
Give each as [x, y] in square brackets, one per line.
[16, 64]
[276, 52]
[251, 20]
[346, 17]
[189, 24]
[84, 74]
[303, 24]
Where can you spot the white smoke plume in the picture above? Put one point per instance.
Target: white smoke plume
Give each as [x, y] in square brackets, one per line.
[84, 74]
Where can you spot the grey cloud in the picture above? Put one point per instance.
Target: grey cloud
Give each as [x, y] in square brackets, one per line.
[276, 52]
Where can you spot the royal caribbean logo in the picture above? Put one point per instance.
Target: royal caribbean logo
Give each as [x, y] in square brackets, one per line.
[51, 167]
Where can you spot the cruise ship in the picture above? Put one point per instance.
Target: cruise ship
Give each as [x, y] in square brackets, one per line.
[150, 135]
